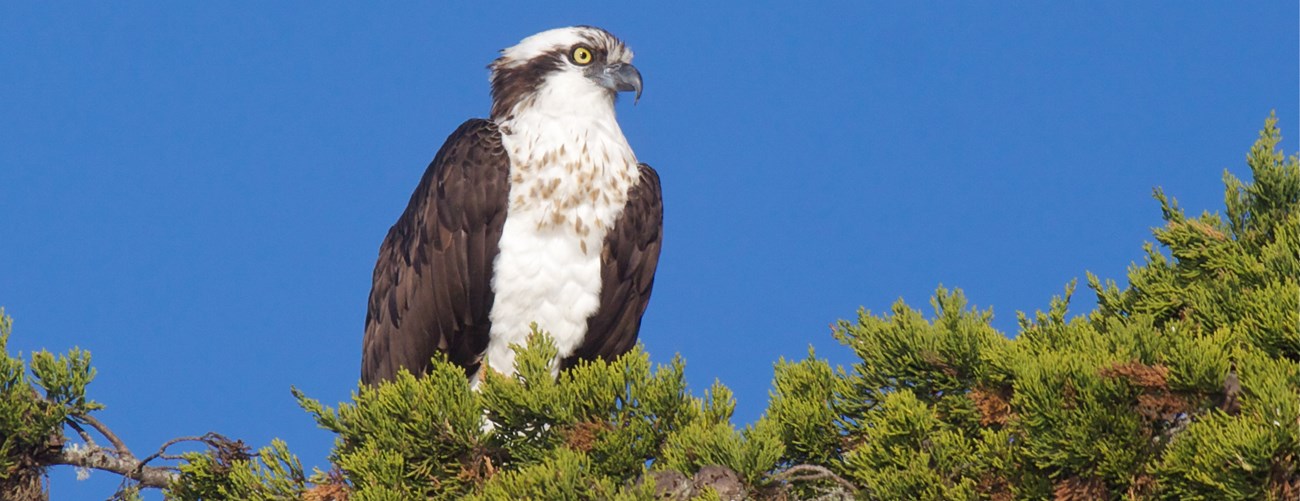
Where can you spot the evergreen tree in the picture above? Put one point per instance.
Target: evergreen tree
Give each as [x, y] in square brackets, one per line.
[1185, 384]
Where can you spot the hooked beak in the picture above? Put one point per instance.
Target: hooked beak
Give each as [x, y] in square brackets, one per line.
[624, 78]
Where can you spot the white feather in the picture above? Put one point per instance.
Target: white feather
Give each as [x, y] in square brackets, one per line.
[571, 169]
[550, 40]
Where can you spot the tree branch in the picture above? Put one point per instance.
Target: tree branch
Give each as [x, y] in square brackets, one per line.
[82, 432]
[211, 439]
[122, 450]
[119, 459]
[99, 458]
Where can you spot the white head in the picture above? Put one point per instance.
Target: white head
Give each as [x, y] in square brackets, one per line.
[562, 70]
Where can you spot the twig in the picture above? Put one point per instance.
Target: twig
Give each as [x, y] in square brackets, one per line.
[806, 472]
[122, 450]
[207, 438]
[85, 437]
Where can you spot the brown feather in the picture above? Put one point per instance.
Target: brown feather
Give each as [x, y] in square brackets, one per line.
[432, 287]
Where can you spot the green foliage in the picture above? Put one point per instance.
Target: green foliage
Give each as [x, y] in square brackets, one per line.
[1136, 399]
[409, 437]
[802, 409]
[937, 361]
[1185, 384]
[1222, 458]
[590, 433]
[904, 451]
[31, 420]
[568, 475]
[752, 452]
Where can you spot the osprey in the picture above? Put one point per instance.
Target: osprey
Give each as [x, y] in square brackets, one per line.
[539, 214]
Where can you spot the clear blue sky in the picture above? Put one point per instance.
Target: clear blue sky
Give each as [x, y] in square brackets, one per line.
[196, 192]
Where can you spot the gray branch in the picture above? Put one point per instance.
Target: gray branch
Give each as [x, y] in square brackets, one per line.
[99, 458]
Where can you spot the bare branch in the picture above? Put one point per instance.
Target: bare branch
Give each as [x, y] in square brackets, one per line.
[120, 460]
[122, 450]
[207, 438]
[85, 437]
[99, 458]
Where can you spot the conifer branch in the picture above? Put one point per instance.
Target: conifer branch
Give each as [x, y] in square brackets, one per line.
[119, 459]
[215, 440]
[100, 458]
[99, 426]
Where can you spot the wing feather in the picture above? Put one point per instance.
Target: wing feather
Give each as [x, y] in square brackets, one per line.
[432, 288]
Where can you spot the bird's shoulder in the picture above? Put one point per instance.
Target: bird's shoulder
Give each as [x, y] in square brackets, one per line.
[649, 175]
[476, 140]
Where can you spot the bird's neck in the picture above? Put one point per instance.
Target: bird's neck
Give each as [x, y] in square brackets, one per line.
[564, 156]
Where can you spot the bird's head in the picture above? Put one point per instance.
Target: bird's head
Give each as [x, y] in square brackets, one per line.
[577, 70]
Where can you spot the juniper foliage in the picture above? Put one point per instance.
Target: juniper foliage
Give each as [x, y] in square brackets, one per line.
[36, 399]
[1184, 384]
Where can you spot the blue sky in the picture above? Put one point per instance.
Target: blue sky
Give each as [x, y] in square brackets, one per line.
[196, 192]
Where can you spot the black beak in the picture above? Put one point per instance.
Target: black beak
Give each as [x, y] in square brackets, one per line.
[625, 77]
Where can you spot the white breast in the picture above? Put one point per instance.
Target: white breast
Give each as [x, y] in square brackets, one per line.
[570, 176]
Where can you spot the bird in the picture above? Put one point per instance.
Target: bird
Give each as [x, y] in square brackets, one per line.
[539, 215]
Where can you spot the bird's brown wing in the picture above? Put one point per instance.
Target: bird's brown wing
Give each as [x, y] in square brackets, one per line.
[628, 260]
[432, 288]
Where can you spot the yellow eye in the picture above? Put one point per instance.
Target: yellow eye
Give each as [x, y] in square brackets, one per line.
[582, 55]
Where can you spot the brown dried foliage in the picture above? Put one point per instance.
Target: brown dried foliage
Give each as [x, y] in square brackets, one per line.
[583, 436]
[1161, 406]
[336, 489]
[1068, 395]
[1139, 374]
[996, 487]
[1143, 486]
[1080, 489]
[477, 467]
[1156, 402]
[1205, 229]
[993, 406]
[1284, 478]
